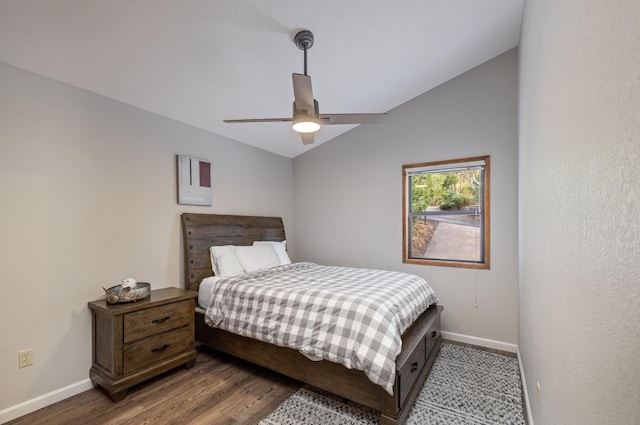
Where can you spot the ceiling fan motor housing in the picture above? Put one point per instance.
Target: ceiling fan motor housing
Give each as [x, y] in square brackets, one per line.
[306, 121]
[316, 107]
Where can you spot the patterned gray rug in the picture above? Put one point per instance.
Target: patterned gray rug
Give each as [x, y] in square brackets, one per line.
[465, 387]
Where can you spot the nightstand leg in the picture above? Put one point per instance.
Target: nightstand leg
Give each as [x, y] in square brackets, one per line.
[118, 396]
[190, 364]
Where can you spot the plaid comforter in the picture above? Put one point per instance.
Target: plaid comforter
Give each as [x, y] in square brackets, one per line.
[350, 316]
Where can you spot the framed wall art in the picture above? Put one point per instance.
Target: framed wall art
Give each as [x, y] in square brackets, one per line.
[194, 181]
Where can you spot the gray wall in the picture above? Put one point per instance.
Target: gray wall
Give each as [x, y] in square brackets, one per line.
[348, 193]
[88, 198]
[579, 155]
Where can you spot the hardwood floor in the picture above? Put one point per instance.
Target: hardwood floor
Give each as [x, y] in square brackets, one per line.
[219, 390]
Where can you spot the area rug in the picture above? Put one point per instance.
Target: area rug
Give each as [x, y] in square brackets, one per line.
[465, 387]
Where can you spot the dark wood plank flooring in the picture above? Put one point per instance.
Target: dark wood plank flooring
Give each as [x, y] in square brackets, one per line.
[218, 390]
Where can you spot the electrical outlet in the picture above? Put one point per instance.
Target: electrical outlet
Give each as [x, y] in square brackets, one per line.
[538, 394]
[25, 358]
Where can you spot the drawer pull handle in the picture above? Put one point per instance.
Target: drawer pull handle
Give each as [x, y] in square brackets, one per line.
[414, 367]
[159, 349]
[161, 320]
[434, 334]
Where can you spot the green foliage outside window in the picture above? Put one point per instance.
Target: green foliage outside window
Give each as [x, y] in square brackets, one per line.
[444, 190]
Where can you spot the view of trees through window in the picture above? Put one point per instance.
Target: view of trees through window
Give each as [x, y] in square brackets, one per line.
[446, 210]
[445, 191]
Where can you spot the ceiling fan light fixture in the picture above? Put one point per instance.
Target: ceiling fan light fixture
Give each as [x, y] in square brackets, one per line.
[303, 123]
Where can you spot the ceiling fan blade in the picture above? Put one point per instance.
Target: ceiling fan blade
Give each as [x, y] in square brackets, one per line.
[330, 119]
[303, 93]
[259, 120]
[307, 138]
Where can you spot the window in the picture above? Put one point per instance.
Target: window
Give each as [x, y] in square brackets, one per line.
[446, 213]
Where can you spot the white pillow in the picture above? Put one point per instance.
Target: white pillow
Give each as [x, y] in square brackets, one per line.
[254, 258]
[224, 261]
[281, 250]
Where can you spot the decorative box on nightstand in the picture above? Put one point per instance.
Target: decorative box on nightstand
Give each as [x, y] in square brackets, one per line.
[136, 341]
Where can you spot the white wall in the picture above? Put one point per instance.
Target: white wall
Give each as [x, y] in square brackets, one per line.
[579, 156]
[87, 198]
[348, 193]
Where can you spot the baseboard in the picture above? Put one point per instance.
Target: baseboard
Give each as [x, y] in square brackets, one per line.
[13, 412]
[525, 393]
[481, 342]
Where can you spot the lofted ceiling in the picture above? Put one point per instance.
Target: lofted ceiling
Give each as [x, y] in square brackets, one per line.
[202, 61]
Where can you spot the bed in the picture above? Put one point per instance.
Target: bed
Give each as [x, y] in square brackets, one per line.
[420, 342]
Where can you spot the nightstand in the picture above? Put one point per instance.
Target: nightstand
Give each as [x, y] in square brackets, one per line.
[135, 341]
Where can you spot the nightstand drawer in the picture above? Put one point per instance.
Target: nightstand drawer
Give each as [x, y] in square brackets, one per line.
[150, 350]
[155, 320]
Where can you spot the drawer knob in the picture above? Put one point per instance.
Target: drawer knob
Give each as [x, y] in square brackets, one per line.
[434, 334]
[414, 366]
[161, 320]
[161, 348]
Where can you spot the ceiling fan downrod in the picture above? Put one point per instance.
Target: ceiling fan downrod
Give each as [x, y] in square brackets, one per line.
[304, 41]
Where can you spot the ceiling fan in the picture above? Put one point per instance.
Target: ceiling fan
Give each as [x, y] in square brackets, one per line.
[307, 118]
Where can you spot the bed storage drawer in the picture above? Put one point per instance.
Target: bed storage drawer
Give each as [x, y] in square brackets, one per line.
[155, 320]
[409, 372]
[432, 336]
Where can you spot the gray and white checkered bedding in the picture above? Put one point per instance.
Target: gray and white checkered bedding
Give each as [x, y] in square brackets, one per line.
[350, 316]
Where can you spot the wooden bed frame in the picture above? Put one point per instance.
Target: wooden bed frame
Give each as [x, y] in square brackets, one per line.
[420, 343]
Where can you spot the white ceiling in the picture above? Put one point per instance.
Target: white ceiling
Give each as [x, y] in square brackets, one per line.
[202, 61]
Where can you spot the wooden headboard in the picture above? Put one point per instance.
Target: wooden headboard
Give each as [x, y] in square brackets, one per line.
[201, 231]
